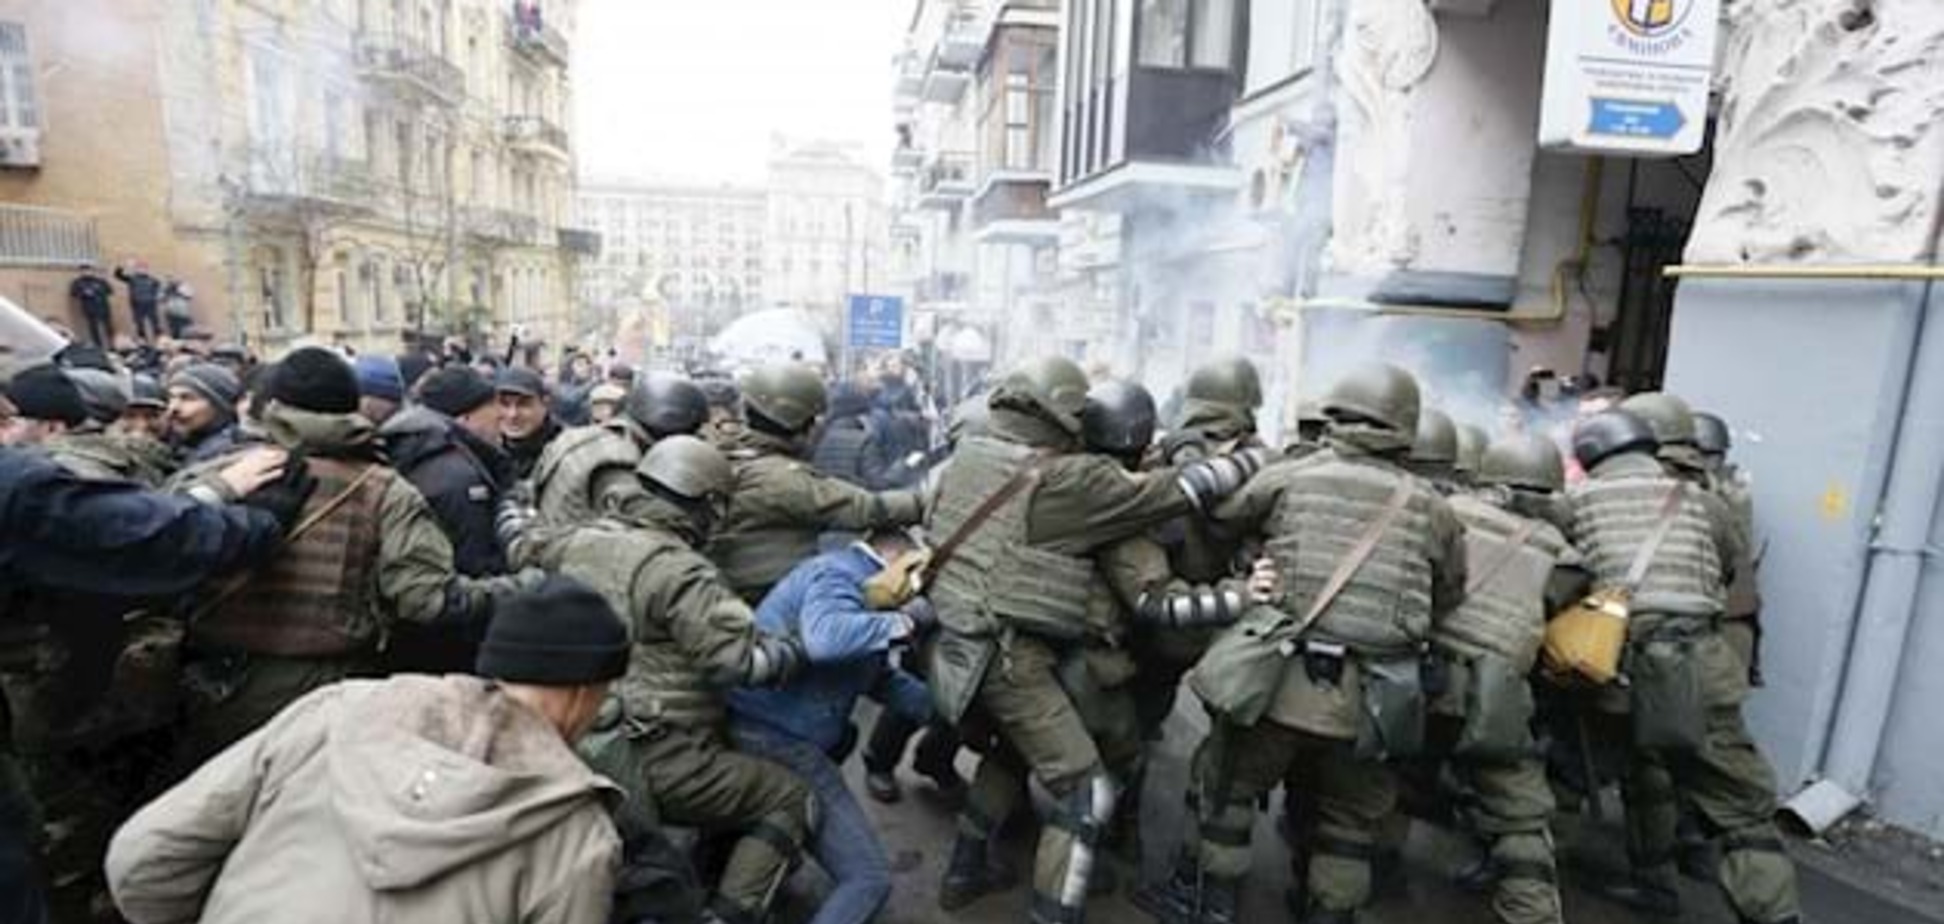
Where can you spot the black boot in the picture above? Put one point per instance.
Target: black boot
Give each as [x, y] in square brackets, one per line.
[1645, 896]
[1480, 877]
[1172, 899]
[972, 875]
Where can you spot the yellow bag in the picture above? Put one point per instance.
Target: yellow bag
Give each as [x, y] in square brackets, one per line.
[1587, 638]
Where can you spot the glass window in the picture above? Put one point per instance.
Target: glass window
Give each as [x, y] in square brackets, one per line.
[1213, 34]
[18, 106]
[1164, 33]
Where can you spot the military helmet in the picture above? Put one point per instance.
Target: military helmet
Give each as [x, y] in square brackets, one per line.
[1528, 462]
[1711, 434]
[1052, 385]
[1381, 394]
[687, 467]
[1608, 433]
[1668, 416]
[968, 419]
[1232, 381]
[1437, 438]
[1471, 449]
[665, 404]
[788, 394]
[1119, 418]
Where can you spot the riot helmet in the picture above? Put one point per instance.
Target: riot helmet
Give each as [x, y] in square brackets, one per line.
[1119, 419]
[1052, 387]
[1437, 438]
[1668, 416]
[1383, 395]
[666, 404]
[1471, 449]
[1233, 381]
[1609, 433]
[1711, 434]
[1529, 463]
[788, 395]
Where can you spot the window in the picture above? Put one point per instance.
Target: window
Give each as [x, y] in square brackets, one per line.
[344, 296]
[19, 108]
[368, 291]
[273, 286]
[1282, 41]
[336, 128]
[1187, 33]
[270, 124]
[402, 152]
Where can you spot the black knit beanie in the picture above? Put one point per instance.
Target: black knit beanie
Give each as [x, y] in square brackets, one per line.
[559, 634]
[46, 393]
[317, 380]
[455, 390]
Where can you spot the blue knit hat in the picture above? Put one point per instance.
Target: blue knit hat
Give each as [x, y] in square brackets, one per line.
[380, 377]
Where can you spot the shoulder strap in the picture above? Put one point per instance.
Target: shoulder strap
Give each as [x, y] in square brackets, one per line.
[1483, 578]
[1644, 558]
[236, 584]
[1358, 554]
[1026, 477]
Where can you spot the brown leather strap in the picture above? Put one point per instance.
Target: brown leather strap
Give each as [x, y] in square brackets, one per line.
[236, 584]
[1644, 558]
[1359, 553]
[1483, 578]
[1020, 481]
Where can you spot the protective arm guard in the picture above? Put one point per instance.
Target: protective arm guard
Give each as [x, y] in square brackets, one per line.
[774, 661]
[1209, 480]
[511, 522]
[1196, 607]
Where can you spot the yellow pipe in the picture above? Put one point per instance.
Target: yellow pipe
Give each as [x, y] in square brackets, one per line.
[1912, 271]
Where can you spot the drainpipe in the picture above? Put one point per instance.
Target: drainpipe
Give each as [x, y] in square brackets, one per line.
[1894, 570]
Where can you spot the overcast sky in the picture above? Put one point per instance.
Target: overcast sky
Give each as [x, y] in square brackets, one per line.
[693, 89]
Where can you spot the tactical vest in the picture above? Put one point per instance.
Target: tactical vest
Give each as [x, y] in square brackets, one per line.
[1326, 506]
[663, 683]
[1613, 514]
[563, 479]
[1506, 615]
[318, 597]
[996, 579]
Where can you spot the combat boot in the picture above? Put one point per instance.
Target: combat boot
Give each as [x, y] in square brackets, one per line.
[1646, 895]
[972, 874]
[1172, 899]
[1179, 901]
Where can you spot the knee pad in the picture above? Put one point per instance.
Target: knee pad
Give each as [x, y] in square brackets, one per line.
[1085, 806]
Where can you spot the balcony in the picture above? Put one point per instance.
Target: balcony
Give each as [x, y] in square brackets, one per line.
[408, 64]
[1170, 142]
[580, 242]
[962, 43]
[536, 135]
[324, 183]
[46, 237]
[910, 77]
[945, 84]
[906, 159]
[1010, 208]
[536, 40]
[500, 226]
[946, 181]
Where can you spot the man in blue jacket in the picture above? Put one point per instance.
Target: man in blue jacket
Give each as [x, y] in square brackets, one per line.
[848, 623]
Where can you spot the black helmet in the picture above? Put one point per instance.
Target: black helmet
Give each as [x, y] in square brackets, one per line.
[1471, 449]
[1711, 434]
[666, 404]
[1232, 381]
[1668, 416]
[1381, 394]
[1053, 386]
[1119, 418]
[1437, 438]
[1608, 433]
[787, 394]
[1528, 462]
[687, 467]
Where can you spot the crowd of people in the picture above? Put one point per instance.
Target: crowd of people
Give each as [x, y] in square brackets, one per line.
[436, 638]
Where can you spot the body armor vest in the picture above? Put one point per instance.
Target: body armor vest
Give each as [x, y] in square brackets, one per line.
[564, 483]
[1506, 615]
[1615, 510]
[1326, 507]
[996, 580]
[755, 555]
[318, 597]
[663, 683]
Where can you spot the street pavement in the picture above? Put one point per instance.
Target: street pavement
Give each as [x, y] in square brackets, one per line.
[918, 833]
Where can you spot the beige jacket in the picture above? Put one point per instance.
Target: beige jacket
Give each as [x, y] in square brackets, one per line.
[414, 799]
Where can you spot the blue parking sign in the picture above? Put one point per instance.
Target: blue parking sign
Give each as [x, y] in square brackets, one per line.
[876, 322]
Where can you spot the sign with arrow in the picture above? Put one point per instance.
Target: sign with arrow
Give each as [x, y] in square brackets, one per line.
[1628, 77]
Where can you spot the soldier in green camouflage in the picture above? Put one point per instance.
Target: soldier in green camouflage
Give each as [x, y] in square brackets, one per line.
[1471, 450]
[1434, 453]
[1317, 736]
[781, 504]
[1743, 627]
[588, 471]
[664, 738]
[1018, 597]
[1679, 718]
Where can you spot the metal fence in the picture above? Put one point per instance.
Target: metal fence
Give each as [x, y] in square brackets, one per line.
[46, 237]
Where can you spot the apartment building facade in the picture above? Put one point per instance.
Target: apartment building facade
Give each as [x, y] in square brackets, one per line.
[691, 256]
[826, 229]
[337, 171]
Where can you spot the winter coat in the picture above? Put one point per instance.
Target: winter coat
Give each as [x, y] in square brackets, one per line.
[413, 799]
[821, 604]
[461, 476]
[143, 289]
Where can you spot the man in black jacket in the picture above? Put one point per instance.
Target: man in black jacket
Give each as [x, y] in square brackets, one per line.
[447, 447]
[144, 299]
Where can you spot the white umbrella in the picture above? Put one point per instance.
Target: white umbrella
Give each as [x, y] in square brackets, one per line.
[966, 345]
[771, 336]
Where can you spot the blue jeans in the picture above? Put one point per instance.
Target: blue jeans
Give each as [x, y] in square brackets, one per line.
[847, 846]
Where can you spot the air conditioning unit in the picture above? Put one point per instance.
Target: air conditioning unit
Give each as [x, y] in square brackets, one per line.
[20, 150]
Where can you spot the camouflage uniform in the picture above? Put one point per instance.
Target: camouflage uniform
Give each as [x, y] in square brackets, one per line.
[588, 471]
[98, 454]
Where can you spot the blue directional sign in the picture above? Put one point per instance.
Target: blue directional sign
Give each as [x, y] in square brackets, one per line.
[876, 322]
[1628, 118]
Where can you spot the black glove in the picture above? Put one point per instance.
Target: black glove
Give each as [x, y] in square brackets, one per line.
[285, 497]
[921, 612]
[774, 661]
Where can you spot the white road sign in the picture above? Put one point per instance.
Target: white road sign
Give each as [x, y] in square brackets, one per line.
[1628, 76]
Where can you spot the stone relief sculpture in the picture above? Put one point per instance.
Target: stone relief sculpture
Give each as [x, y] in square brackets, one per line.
[1388, 49]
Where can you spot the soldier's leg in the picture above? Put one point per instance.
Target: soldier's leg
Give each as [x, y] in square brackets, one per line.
[1513, 804]
[657, 881]
[1652, 820]
[698, 781]
[1733, 788]
[1353, 797]
[998, 790]
[1114, 722]
[1036, 717]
